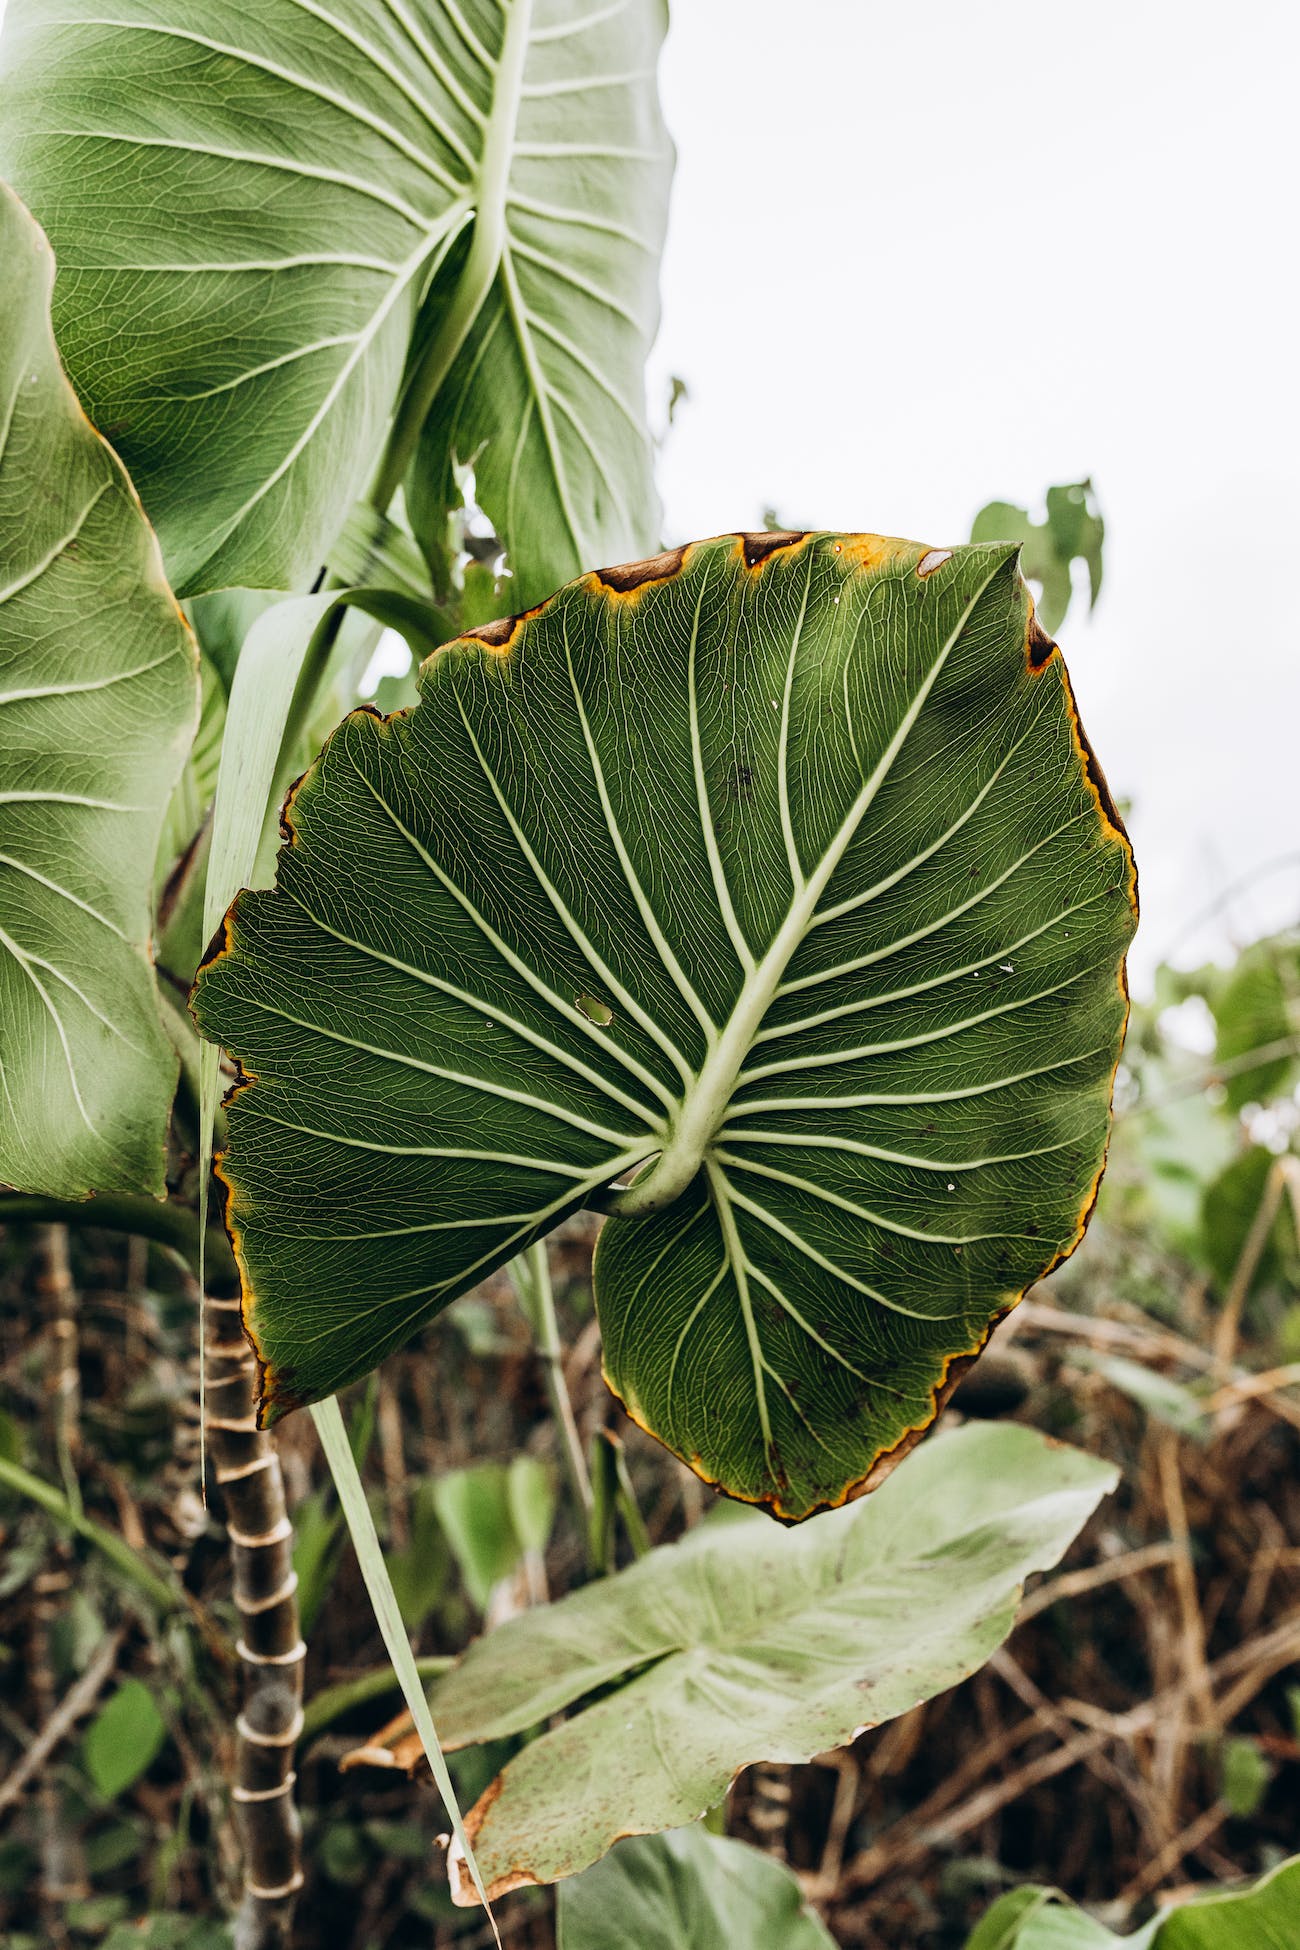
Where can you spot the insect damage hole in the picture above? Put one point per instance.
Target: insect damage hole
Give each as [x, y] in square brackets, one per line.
[594, 1010]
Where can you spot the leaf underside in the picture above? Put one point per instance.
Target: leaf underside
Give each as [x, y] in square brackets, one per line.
[811, 820]
[98, 697]
[250, 205]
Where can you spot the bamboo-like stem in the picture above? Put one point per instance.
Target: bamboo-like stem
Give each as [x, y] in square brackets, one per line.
[271, 1651]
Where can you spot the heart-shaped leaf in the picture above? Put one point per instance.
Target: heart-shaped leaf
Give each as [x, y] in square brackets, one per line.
[260, 210]
[98, 698]
[744, 1643]
[776, 867]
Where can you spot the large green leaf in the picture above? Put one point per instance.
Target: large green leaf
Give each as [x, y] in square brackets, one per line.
[777, 865]
[1263, 1917]
[687, 1890]
[747, 1643]
[250, 204]
[98, 696]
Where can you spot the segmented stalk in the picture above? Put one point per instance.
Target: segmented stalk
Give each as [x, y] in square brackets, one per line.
[271, 1650]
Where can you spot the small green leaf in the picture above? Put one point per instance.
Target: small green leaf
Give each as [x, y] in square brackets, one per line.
[1244, 1776]
[1258, 1008]
[746, 1642]
[124, 1739]
[1072, 530]
[1229, 1204]
[98, 695]
[1260, 1917]
[480, 1509]
[530, 1494]
[815, 818]
[422, 1571]
[687, 1890]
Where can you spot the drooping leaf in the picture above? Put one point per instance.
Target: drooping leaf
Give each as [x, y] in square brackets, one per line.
[261, 209]
[1071, 530]
[749, 1643]
[1262, 1917]
[124, 1739]
[686, 1890]
[98, 697]
[811, 821]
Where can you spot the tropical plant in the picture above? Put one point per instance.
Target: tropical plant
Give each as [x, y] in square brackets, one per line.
[762, 895]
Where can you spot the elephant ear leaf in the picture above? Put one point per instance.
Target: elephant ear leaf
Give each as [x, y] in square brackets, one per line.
[98, 698]
[285, 229]
[775, 874]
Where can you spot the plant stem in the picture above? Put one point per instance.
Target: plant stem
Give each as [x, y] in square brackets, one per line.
[530, 1275]
[333, 1702]
[132, 1564]
[271, 1650]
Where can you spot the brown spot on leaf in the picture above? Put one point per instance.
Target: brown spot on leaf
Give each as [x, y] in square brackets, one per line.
[497, 634]
[1039, 647]
[626, 578]
[757, 548]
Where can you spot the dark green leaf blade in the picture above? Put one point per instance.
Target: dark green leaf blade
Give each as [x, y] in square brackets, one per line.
[687, 1890]
[98, 698]
[812, 822]
[745, 1643]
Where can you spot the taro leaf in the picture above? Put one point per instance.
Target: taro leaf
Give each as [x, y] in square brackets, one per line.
[778, 863]
[251, 204]
[746, 1643]
[687, 1890]
[1259, 1918]
[98, 694]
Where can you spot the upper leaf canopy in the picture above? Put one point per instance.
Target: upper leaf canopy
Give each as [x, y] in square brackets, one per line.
[261, 209]
[775, 870]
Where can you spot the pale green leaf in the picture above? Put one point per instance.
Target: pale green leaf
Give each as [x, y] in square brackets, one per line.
[98, 698]
[747, 1643]
[263, 209]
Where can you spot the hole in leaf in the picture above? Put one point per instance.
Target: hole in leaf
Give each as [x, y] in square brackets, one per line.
[595, 1010]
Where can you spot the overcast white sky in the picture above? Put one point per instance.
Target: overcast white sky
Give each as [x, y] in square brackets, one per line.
[925, 257]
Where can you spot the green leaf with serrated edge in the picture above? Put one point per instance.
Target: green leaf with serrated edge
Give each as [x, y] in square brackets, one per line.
[813, 819]
[98, 698]
[687, 1890]
[748, 1643]
[1260, 1917]
[252, 206]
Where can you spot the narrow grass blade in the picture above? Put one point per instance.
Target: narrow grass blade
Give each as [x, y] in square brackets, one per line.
[383, 1599]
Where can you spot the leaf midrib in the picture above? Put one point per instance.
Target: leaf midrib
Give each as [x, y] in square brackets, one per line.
[705, 1104]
